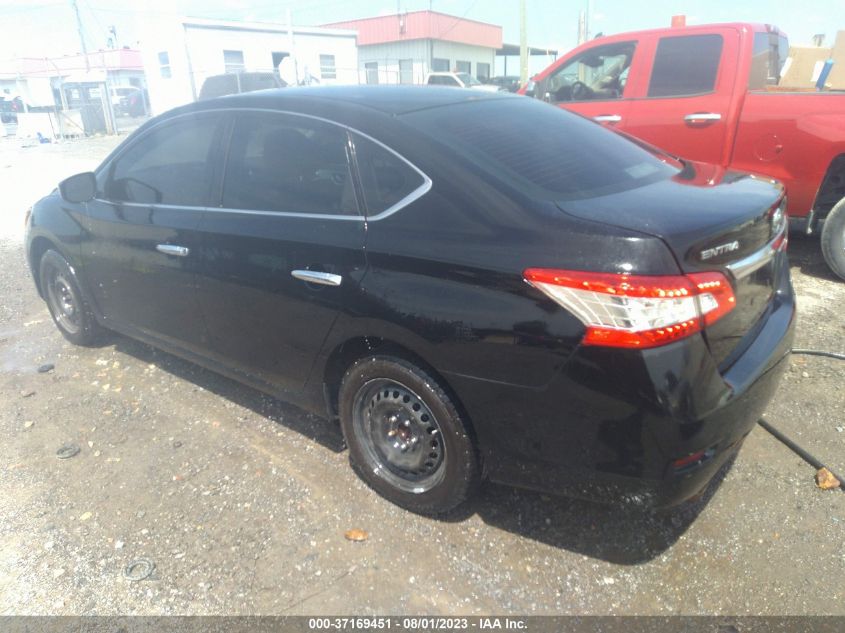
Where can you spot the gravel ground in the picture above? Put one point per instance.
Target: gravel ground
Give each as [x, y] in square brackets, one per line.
[241, 501]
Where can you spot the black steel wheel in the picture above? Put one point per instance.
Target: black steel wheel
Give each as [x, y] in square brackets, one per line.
[70, 312]
[405, 436]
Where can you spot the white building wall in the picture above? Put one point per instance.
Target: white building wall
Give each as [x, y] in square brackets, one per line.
[454, 52]
[196, 52]
[388, 55]
[166, 92]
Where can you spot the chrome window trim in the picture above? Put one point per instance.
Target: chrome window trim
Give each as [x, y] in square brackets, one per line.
[756, 260]
[413, 196]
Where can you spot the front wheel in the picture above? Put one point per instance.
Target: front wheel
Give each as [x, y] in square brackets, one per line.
[406, 438]
[70, 312]
[833, 239]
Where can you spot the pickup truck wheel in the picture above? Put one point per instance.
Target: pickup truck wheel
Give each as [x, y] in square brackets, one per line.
[406, 438]
[71, 314]
[833, 239]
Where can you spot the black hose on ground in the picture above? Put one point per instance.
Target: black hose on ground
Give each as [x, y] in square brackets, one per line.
[815, 352]
[795, 448]
[807, 457]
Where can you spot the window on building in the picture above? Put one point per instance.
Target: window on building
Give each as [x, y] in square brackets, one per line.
[439, 65]
[463, 67]
[372, 72]
[685, 65]
[386, 178]
[170, 165]
[327, 67]
[289, 164]
[164, 65]
[233, 61]
[406, 71]
[482, 71]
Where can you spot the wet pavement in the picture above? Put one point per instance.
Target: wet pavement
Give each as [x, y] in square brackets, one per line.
[234, 502]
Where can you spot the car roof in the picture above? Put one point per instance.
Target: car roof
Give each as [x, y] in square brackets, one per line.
[391, 100]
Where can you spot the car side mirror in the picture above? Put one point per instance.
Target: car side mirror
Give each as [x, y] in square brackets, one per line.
[79, 188]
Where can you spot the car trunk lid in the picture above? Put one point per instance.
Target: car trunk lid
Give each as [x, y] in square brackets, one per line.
[712, 221]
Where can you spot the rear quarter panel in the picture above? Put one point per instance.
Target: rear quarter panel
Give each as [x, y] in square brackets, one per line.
[792, 137]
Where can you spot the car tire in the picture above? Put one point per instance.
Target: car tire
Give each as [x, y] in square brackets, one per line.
[65, 301]
[406, 438]
[833, 239]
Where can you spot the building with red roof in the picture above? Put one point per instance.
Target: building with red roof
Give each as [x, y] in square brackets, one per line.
[403, 48]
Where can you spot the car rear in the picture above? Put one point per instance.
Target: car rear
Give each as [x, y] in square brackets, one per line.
[725, 327]
[673, 366]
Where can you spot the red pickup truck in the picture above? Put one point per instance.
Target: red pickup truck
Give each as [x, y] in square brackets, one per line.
[710, 93]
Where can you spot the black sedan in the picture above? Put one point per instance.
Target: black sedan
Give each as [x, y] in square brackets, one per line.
[476, 285]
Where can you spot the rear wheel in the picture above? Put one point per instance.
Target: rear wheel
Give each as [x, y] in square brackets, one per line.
[833, 239]
[71, 314]
[406, 438]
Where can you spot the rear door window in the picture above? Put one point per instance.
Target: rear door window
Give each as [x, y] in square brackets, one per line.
[686, 65]
[288, 164]
[388, 181]
[171, 165]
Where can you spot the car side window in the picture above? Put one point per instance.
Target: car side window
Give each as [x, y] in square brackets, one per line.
[169, 165]
[288, 164]
[686, 65]
[386, 179]
[595, 75]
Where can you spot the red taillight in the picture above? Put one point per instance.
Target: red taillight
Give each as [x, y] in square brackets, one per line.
[637, 311]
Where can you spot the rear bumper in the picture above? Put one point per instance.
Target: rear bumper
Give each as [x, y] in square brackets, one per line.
[612, 424]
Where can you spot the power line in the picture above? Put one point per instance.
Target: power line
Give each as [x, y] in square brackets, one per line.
[458, 20]
[97, 20]
[81, 34]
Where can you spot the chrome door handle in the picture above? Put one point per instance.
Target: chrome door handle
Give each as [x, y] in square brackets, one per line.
[172, 249]
[607, 118]
[317, 277]
[703, 117]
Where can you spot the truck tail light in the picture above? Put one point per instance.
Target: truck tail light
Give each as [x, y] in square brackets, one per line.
[637, 311]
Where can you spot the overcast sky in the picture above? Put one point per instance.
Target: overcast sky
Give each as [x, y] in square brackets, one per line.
[47, 27]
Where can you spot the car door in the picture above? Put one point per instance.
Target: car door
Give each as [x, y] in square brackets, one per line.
[141, 250]
[284, 249]
[685, 107]
[594, 83]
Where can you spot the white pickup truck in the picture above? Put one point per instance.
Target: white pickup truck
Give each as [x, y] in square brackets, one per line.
[458, 80]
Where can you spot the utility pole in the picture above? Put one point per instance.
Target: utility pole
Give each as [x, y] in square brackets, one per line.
[81, 36]
[291, 47]
[523, 44]
[582, 27]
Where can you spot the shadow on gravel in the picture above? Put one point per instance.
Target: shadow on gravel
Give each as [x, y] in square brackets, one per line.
[624, 536]
[805, 253]
[326, 434]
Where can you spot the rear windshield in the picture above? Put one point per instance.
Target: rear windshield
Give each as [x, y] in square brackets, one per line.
[542, 150]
